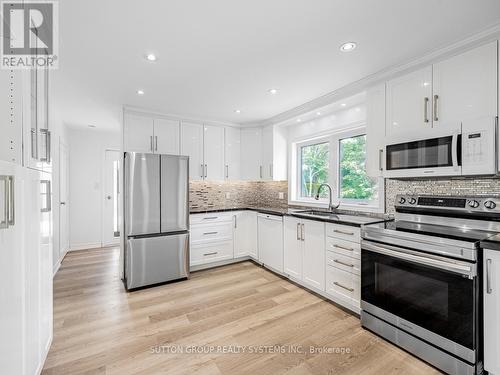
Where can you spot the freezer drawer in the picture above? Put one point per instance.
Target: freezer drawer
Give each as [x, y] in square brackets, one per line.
[154, 260]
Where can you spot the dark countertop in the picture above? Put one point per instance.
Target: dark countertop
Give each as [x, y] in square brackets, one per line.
[491, 243]
[344, 219]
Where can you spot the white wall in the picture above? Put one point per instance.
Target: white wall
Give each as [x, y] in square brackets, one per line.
[86, 157]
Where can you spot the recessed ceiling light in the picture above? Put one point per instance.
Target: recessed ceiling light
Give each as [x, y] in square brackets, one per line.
[343, 105]
[237, 111]
[140, 92]
[358, 109]
[299, 120]
[151, 57]
[272, 91]
[91, 126]
[318, 113]
[347, 47]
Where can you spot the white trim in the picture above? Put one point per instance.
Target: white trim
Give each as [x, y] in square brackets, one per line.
[84, 246]
[485, 36]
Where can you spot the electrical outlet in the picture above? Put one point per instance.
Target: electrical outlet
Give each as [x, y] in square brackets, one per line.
[281, 195]
[228, 195]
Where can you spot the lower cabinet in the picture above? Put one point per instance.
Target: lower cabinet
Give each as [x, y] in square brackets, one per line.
[211, 252]
[245, 234]
[491, 311]
[304, 253]
[270, 234]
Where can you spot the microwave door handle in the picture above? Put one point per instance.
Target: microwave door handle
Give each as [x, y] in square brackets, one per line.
[454, 151]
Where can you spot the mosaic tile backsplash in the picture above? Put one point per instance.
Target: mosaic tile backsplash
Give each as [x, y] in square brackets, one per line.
[206, 195]
[459, 186]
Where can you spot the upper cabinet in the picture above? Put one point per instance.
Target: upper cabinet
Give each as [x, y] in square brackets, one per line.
[192, 146]
[438, 98]
[213, 153]
[375, 130]
[232, 155]
[11, 116]
[251, 146]
[145, 134]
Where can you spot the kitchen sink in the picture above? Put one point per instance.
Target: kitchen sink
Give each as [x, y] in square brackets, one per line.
[334, 217]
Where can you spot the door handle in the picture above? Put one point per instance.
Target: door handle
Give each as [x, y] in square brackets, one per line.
[380, 158]
[298, 232]
[426, 109]
[489, 290]
[302, 232]
[435, 107]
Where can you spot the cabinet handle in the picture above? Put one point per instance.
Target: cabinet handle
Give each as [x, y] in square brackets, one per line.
[48, 137]
[227, 171]
[156, 143]
[435, 105]
[426, 109]
[489, 290]
[34, 144]
[11, 213]
[342, 247]
[235, 221]
[213, 253]
[343, 232]
[207, 233]
[151, 143]
[206, 170]
[202, 171]
[271, 170]
[48, 201]
[380, 158]
[298, 231]
[344, 264]
[344, 287]
[5, 221]
[210, 218]
[260, 167]
[302, 232]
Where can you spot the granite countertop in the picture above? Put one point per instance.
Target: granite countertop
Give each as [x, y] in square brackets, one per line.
[491, 243]
[336, 218]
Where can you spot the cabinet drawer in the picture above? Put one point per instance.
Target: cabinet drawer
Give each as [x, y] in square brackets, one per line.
[213, 252]
[216, 217]
[343, 285]
[343, 262]
[337, 245]
[211, 232]
[344, 232]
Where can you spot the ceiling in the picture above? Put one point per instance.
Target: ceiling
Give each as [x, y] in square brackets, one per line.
[218, 56]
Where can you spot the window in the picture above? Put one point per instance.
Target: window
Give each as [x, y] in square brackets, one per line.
[314, 168]
[340, 160]
[354, 183]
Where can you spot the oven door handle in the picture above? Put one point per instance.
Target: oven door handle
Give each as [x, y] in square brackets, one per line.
[458, 267]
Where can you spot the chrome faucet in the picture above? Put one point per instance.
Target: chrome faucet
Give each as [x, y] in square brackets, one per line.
[331, 206]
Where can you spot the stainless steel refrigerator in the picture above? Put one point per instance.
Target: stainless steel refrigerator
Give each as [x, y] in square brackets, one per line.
[156, 218]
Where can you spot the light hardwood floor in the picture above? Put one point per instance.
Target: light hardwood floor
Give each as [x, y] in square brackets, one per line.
[101, 329]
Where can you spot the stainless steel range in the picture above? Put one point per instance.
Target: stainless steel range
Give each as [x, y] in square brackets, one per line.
[421, 278]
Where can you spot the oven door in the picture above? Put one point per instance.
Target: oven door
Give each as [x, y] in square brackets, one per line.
[429, 157]
[428, 296]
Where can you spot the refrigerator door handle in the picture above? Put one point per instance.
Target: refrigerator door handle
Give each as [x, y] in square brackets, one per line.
[5, 220]
[11, 217]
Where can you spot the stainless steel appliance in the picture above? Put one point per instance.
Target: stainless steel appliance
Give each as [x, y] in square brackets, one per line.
[469, 149]
[421, 278]
[156, 219]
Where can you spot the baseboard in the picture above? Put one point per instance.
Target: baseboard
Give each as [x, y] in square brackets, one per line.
[56, 268]
[45, 355]
[85, 246]
[200, 267]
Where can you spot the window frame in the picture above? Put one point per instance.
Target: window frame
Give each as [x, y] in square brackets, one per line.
[333, 139]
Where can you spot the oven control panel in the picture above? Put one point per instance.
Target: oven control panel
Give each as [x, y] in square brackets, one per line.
[476, 204]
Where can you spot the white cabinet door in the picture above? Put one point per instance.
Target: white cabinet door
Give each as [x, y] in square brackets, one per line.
[375, 131]
[192, 146]
[138, 134]
[166, 137]
[251, 145]
[213, 146]
[465, 87]
[292, 251]
[232, 153]
[267, 152]
[313, 260]
[491, 311]
[409, 105]
[12, 284]
[270, 233]
[11, 116]
[245, 234]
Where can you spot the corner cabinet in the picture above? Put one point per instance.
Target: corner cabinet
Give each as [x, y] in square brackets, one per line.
[491, 294]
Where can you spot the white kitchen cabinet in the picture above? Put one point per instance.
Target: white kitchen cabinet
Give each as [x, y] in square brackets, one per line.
[409, 105]
[192, 146]
[245, 234]
[491, 311]
[267, 153]
[375, 131]
[166, 136]
[304, 251]
[213, 153]
[274, 154]
[11, 115]
[232, 149]
[251, 146]
[138, 133]
[465, 87]
[270, 237]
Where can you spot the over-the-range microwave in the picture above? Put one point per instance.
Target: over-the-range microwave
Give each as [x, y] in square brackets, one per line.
[470, 149]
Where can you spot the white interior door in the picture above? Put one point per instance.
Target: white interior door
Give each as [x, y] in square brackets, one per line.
[111, 208]
[63, 202]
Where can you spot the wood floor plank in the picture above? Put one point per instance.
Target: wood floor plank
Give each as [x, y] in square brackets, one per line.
[101, 329]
